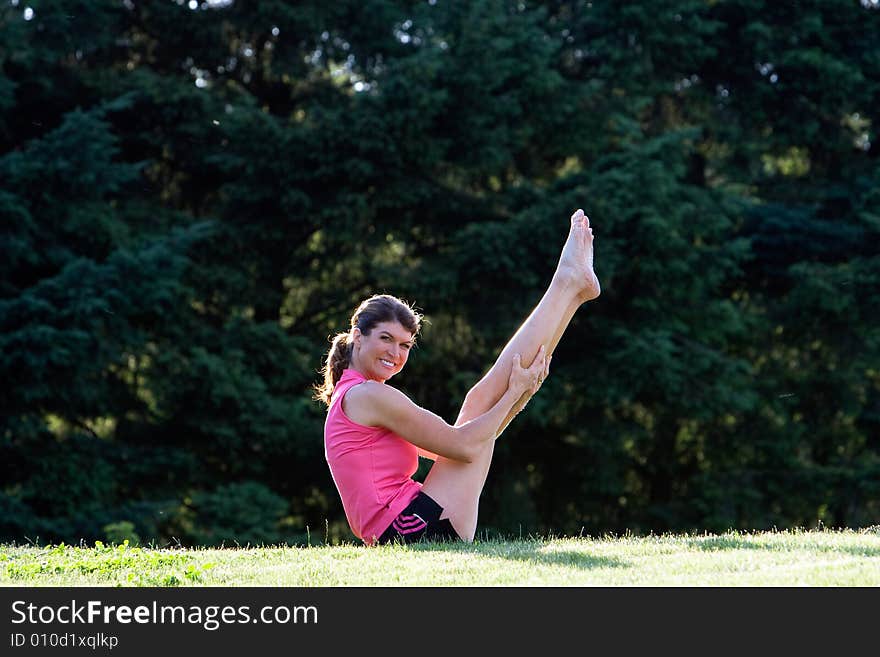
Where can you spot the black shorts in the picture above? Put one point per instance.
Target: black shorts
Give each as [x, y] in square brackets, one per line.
[420, 520]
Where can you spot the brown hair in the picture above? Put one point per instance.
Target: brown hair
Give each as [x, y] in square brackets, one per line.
[378, 308]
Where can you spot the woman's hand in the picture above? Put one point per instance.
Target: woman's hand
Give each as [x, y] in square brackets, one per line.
[528, 380]
[545, 374]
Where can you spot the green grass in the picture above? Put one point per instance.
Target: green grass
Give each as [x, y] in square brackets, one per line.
[795, 558]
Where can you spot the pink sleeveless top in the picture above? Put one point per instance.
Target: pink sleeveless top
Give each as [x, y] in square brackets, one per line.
[372, 467]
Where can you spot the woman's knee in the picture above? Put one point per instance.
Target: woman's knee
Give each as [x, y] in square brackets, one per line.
[478, 400]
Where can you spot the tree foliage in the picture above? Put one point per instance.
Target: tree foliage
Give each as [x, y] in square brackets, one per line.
[196, 195]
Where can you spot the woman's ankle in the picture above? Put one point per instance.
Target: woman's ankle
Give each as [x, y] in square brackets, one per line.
[568, 285]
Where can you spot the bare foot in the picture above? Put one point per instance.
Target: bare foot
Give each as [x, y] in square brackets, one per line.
[575, 266]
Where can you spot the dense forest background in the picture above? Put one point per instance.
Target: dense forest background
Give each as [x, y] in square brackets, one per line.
[195, 195]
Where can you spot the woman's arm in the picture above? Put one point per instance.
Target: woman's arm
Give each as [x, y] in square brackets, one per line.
[384, 406]
[377, 404]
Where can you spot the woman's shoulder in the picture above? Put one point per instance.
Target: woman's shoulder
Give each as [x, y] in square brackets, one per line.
[367, 391]
[366, 402]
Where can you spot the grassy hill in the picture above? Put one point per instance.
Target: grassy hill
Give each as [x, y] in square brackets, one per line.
[791, 558]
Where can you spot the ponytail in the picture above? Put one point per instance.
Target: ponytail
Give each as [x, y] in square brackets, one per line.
[337, 360]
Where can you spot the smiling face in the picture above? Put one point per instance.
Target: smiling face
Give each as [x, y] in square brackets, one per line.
[383, 353]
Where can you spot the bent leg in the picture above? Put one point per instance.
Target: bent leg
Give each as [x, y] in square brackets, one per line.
[457, 486]
[573, 283]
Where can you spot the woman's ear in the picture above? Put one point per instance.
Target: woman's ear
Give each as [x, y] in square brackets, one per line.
[356, 336]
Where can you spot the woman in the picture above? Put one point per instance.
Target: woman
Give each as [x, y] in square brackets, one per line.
[374, 434]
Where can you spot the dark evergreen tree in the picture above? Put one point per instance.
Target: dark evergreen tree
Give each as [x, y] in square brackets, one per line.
[194, 199]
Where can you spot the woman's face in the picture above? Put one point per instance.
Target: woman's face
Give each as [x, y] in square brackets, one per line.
[383, 353]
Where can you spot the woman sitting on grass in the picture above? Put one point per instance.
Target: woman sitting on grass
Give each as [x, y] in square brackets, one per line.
[374, 434]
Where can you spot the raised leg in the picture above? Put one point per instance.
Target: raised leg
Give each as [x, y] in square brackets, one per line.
[457, 486]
